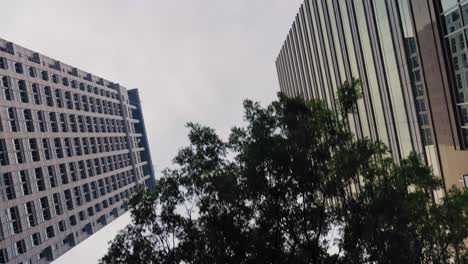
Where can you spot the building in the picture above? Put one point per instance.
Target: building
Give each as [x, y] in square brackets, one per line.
[73, 146]
[411, 57]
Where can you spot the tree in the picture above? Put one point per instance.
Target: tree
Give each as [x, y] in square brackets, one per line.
[278, 187]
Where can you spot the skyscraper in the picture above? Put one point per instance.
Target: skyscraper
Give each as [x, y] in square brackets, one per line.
[411, 57]
[73, 146]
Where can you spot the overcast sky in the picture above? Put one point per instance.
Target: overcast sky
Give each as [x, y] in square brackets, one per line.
[193, 60]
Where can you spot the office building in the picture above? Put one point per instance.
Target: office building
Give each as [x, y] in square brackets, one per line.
[73, 147]
[411, 57]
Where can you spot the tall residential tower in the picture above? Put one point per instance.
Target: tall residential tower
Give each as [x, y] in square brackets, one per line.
[411, 57]
[73, 146]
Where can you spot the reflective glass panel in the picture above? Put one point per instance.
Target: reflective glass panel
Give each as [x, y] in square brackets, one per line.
[393, 78]
[448, 4]
[371, 74]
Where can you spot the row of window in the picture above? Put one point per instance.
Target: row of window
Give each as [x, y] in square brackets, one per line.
[27, 120]
[36, 212]
[37, 238]
[27, 182]
[67, 172]
[25, 92]
[33, 150]
[55, 78]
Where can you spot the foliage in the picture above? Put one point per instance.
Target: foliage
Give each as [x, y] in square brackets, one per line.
[348, 95]
[276, 190]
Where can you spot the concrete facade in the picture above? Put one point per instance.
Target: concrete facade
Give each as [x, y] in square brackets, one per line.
[73, 147]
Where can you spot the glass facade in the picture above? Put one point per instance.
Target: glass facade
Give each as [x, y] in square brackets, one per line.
[375, 42]
[455, 18]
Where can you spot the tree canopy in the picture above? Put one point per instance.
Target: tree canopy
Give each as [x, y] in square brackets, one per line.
[292, 186]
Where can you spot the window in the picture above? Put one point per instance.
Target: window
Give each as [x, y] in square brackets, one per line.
[84, 102]
[73, 174]
[21, 247]
[39, 179]
[3, 255]
[84, 143]
[62, 226]
[50, 232]
[32, 72]
[14, 222]
[53, 122]
[423, 119]
[97, 166]
[65, 81]
[12, 120]
[72, 220]
[45, 209]
[25, 182]
[77, 194]
[58, 98]
[45, 75]
[68, 100]
[465, 115]
[46, 148]
[34, 149]
[94, 190]
[72, 121]
[41, 121]
[63, 174]
[28, 119]
[89, 124]
[31, 213]
[82, 215]
[76, 101]
[420, 105]
[36, 93]
[9, 187]
[90, 211]
[68, 199]
[87, 193]
[456, 65]
[92, 104]
[18, 67]
[48, 96]
[97, 208]
[18, 149]
[81, 169]
[426, 136]
[3, 153]
[92, 143]
[57, 204]
[63, 122]
[8, 92]
[36, 239]
[23, 91]
[68, 148]
[52, 177]
[3, 65]
[77, 143]
[81, 124]
[465, 180]
[102, 190]
[55, 78]
[58, 148]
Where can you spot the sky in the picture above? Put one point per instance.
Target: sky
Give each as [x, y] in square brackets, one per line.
[192, 60]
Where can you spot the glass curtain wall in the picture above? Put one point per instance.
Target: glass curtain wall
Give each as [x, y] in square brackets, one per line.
[335, 40]
[455, 16]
